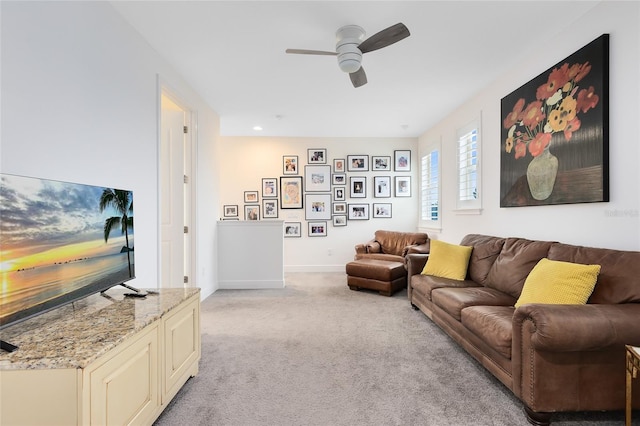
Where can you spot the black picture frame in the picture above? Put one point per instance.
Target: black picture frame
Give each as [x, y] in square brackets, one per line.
[403, 186]
[358, 211]
[381, 163]
[230, 210]
[382, 210]
[269, 188]
[290, 165]
[402, 160]
[316, 156]
[270, 208]
[252, 212]
[382, 186]
[317, 178]
[317, 206]
[291, 191]
[292, 229]
[357, 163]
[358, 187]
[317, 229]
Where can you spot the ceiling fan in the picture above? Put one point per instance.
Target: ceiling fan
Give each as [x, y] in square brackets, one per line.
[351, 45]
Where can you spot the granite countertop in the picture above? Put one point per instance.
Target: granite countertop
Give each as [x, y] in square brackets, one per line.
[76, 334]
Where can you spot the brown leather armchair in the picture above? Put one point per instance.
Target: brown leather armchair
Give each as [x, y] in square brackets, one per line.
[393, 246]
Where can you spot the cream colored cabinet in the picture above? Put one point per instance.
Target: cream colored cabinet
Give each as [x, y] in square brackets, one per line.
[122, 387]
[129, 384]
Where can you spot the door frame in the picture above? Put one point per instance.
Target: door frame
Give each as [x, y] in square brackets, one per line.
[163, 87]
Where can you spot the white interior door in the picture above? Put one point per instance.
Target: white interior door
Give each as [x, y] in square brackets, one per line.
[175, 202]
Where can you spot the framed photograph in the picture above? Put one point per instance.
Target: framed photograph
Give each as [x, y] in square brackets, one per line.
[379, 164]
[340, 220]
[292, 229]
[402, 161]
[339, 208]
[252, 212]
[382, 210]
[358, 185]
[290, 165]
[382, 186]
[317, 229]
[338, 165]
[317, 156]
[555, 143]
[358, 163]
[269, 208]
[339, 178]
[269, 188]
[318, 206]
[358, 211]
[339, 193]
[403, 186]
[317, 178]
[291, 190]
[250, 196]
[230, 210]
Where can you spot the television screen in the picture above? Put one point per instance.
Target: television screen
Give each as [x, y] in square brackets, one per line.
[60, 242]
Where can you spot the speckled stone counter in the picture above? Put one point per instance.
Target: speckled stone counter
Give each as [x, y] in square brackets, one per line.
[76, 334]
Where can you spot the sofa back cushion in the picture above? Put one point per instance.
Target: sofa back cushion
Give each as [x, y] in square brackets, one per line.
[512, 266]
[485, 252]
[392, 242]
[619, 278]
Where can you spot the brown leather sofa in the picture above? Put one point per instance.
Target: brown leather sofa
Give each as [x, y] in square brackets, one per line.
[392, 246]
[554, 358]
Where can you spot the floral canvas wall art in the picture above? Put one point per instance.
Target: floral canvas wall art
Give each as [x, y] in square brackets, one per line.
[555, 140]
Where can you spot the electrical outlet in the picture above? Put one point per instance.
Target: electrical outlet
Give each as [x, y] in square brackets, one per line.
[329, 252]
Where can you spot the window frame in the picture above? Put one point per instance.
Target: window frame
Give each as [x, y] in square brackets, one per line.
[469, 206]
[428, 151]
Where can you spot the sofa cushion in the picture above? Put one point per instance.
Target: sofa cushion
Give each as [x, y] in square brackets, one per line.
[492, 325]
[447, 260]
[454, 300]
[425, 284]
[392, 242]
[555, 282]
[619, 272]
[515, 261]
[485, 251]
[379, 256]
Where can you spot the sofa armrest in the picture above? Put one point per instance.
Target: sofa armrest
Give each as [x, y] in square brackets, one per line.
[572, 328]
[361, 248]
[417, 249]
[374, 247]
[415, 263]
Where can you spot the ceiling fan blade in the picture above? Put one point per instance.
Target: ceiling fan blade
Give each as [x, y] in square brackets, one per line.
[384, 38]
[358, 78]
[310, 52]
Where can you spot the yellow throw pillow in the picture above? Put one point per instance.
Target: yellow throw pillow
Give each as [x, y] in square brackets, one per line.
[447, 260]
[559, 283]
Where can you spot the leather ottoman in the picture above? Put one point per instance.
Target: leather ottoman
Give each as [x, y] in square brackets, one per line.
[384, 276]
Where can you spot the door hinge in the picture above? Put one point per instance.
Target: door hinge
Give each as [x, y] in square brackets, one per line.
[186, 179]
[186, 229]
[186, 279]
[186, 129]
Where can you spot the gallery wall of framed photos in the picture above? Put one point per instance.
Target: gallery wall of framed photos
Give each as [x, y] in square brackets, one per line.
[336, 189]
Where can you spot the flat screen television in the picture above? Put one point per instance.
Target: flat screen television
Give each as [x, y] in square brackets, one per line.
[60, 242]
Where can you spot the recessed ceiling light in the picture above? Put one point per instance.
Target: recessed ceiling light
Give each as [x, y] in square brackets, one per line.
[257, 128]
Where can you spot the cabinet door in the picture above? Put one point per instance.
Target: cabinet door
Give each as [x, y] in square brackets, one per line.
[182, 347]
[124, 386]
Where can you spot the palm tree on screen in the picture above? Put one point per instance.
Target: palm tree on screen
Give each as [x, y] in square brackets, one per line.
[121, 201]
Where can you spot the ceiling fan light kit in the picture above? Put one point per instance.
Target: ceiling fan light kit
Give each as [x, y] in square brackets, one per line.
[351, 45]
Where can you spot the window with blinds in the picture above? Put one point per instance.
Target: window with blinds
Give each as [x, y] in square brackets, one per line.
[430, 187]
[468, 150]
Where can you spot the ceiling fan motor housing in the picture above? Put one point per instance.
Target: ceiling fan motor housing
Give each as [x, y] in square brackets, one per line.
[348, 38]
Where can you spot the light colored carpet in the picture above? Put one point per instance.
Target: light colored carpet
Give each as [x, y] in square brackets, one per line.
[317, 353]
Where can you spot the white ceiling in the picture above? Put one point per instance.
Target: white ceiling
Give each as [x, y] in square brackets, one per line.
[233, 54]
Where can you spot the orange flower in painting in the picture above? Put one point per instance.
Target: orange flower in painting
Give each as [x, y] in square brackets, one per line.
[521, 150]
[560, 117]
[587, 99]
[557, 79]
[572, 126]
[539, 143]
[533, 115]
[514, 116]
